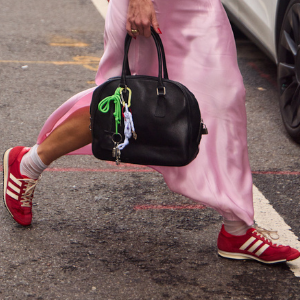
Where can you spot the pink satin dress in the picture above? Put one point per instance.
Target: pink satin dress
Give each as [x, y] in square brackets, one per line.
[201, 54]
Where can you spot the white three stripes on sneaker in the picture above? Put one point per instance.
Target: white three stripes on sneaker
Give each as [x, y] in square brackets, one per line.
[14, 184]
[254, 246]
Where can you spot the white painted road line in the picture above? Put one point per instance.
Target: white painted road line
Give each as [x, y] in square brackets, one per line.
[102, 6]
[265, 215]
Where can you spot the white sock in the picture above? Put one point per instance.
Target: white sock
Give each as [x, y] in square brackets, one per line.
[31, 165]
[235, 227]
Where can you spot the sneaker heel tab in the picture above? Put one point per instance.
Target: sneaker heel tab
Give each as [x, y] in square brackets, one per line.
[13, 154]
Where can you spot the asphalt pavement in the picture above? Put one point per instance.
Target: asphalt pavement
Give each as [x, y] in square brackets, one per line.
[115, 233]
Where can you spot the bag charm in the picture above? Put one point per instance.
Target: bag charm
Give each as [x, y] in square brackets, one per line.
[103, 106]
[129, 130]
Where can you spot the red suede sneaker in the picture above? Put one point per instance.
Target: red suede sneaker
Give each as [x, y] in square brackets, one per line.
[18, 189]
[254, 245]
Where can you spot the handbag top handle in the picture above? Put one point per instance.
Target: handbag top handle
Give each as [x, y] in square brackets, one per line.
[161, 62]
[161, 47]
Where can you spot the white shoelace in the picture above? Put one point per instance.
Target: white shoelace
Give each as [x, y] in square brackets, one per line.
[267, 234]
[27, 196]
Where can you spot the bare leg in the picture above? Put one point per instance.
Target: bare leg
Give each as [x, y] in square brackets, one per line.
[72, 134]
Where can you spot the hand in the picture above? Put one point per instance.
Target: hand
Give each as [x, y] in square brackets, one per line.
[141, 15]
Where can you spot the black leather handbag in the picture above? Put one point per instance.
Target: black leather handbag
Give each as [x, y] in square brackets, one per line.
[145, 119]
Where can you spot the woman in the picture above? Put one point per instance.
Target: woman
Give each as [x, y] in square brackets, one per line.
[201, 54]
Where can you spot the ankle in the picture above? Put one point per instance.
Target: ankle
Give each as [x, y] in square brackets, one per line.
[31, 164]
[235, 227]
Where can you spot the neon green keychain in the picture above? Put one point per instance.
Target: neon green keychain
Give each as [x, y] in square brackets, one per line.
[117, 97]
[103, 106]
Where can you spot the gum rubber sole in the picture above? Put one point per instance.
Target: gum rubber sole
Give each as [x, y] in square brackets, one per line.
[5, 177]
[241, 256]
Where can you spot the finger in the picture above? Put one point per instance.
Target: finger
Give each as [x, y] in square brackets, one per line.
[147, 31]
[131, 29]
[128, 28]
[134, 31]
[144, 27]
[155, 24]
